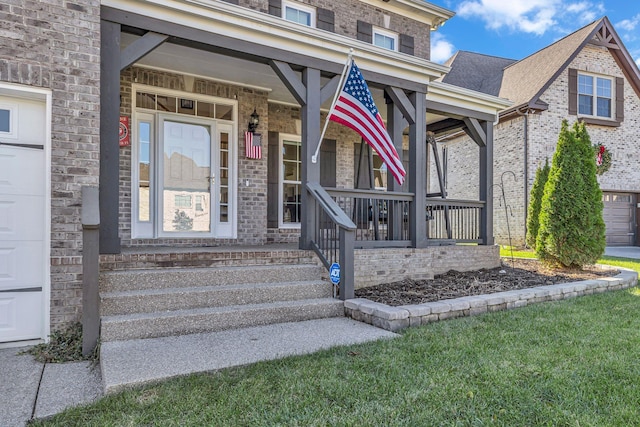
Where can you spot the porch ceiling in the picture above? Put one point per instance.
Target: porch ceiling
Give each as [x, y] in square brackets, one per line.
[190, 61]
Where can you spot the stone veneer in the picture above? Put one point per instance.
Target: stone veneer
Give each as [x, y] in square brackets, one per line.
[544, 127]
[56, 45]
[401, 317]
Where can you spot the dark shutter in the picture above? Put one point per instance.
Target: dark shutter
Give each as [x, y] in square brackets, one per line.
[362, 174]
[573, 91]
[328, 163]
[619, 99]
[275, 7]
[326, 20]
[232, 1]
[273, 180]
[406, 44]
[365, 32]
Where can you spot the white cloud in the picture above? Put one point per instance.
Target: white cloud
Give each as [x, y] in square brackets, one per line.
[628, 24]
[441, 48]
[530, 16]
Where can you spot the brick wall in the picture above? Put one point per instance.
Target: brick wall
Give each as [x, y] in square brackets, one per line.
[348, 12]
[375, 267]
[56, 45]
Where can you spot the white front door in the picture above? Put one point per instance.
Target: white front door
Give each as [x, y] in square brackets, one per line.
[23, 218]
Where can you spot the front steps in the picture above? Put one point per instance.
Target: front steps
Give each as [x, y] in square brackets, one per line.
[168, 293]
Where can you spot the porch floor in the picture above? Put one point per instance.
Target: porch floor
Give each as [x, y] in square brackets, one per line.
[135, 362]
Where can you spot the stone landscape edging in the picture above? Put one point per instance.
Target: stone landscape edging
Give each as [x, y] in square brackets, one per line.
[401, 317]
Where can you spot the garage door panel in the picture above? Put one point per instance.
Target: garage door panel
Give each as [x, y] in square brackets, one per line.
[21, 171]
[21, 218]
[20, 317]
[21, 265]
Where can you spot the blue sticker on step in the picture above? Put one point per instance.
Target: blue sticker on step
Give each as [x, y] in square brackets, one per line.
[334, 273]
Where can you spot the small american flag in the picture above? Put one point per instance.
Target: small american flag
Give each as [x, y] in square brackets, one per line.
[355, 109]
[253, 145]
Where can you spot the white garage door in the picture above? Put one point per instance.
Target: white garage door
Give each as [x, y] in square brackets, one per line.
[619, 218]
[23, 218]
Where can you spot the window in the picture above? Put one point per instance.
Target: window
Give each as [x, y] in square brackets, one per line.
[5, 121]
[385, 39]
[379, 173]
[595, 96]
[299, 13]
[182, 201]
[291, 181]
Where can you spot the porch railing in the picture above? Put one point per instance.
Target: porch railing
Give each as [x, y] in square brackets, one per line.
[382, 219]
[332, 237]
[456, 220]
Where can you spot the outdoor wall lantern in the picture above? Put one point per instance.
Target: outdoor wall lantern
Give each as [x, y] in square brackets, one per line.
[254, 121]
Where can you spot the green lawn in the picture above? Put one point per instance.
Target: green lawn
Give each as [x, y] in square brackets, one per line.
[566, 363]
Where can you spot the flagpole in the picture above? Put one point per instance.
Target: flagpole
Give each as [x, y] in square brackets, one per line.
[347, 65]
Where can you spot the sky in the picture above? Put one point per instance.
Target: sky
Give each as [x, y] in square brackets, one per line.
[515, 29]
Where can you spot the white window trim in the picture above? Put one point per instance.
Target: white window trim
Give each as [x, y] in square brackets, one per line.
[386, 33]
[137, 232]
[594, 101]
[13, 120]
[304, 8]
[281, 224]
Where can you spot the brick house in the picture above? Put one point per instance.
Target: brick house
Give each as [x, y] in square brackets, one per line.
[180, 81]
[589, 76]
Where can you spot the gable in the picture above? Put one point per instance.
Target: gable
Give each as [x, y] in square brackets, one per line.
[525, 81]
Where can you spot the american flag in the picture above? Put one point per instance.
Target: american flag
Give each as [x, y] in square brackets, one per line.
[355, 109]
[253, 145]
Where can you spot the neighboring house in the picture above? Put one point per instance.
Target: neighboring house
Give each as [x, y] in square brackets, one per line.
[187, 77]
[589, 76]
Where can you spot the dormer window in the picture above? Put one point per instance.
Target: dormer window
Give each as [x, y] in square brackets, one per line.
[299, 13]
[385, 39]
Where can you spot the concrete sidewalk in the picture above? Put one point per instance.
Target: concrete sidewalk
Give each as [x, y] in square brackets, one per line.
[623, 251]
[30, 389]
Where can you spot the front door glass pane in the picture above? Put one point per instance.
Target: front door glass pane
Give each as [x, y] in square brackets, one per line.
[224, 177]
[187, 178]
[144, 170]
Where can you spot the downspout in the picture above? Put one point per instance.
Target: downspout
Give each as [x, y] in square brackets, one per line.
[526, 166]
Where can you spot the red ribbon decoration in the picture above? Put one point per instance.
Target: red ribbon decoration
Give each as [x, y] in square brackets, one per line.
[599, 158]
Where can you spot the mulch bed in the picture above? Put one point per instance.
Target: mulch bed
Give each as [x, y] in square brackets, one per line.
[524, 273]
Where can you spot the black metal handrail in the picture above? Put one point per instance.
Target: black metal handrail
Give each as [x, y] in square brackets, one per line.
[332, 237]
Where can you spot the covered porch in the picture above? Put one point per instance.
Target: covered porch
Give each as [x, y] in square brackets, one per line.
[282, 66]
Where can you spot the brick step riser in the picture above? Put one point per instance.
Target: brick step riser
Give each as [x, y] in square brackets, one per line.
[164, 279]
[214, 322]
[210, 297]
[145, 264]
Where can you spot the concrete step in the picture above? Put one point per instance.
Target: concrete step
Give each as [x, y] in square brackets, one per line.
[171, 257]
[136, 362]
[180, 322]
[115, 281]
[166, 299]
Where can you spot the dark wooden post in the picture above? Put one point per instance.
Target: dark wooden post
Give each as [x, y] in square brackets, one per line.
[90, 269]
[310, 115]
[486, 184]
[418, 170]
[395, 126]
[109, 126]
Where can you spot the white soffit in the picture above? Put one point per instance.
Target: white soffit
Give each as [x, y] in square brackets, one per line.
[465, 98]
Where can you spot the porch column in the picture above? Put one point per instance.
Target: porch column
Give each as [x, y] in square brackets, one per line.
[310, 115]
[395, 125]
[418, 170]
[486, 185]
[109, 125]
